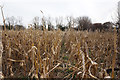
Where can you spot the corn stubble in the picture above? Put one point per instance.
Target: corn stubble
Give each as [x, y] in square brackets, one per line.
[57, 54]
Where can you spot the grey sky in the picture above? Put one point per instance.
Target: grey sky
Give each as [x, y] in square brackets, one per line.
[97, 10]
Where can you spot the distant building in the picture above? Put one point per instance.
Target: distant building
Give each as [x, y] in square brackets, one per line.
[19, 27]
[108, 25]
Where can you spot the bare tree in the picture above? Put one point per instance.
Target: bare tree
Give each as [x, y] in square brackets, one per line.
[11, 22]
[59, 22]
[18, 24]
[19, 20]
[69, 20]
[84, 23]
[49, 23]
[8, 22]
[36, 22]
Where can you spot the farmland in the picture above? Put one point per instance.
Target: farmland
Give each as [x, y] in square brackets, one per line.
[58, 54]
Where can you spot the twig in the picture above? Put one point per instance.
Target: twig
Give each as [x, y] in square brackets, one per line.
[90, 72]
[53, 68]
[15, 60]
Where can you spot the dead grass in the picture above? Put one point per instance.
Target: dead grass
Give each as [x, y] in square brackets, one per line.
[57, 54]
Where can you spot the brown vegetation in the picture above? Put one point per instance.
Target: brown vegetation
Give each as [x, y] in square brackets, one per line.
[57, 54]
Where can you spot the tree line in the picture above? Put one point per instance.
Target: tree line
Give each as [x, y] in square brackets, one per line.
[79, 23]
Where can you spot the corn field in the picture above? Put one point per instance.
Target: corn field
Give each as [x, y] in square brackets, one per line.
[58, 54]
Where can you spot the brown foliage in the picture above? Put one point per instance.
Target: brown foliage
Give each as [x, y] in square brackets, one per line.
[52, 54]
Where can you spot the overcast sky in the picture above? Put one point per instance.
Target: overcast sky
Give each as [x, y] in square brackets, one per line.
[97, 10]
